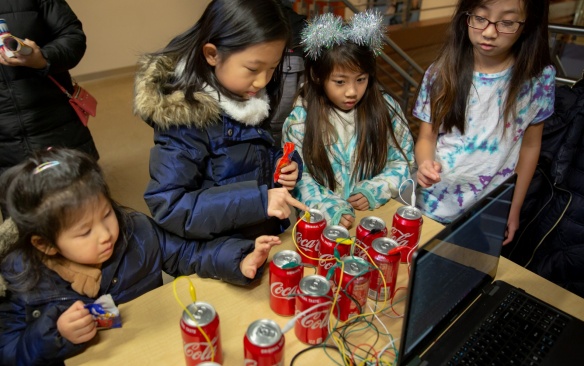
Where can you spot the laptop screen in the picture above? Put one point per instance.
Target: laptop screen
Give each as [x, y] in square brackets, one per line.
[449, 271]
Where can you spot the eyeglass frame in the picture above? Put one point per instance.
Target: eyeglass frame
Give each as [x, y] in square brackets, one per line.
[468, 15]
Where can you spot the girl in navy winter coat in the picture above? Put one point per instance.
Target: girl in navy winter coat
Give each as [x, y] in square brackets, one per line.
[74, 244]
[207, 95]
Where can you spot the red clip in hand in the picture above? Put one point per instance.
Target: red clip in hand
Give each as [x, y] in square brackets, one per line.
[288, 149]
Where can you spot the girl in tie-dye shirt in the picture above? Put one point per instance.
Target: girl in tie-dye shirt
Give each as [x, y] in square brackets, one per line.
[483, 103]
[354, 140]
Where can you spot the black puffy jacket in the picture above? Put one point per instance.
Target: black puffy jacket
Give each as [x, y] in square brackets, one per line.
[550, 239]
[34, 113]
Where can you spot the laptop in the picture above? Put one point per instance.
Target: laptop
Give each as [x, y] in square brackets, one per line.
[456, 314]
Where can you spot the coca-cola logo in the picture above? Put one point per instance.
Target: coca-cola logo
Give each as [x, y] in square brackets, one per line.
[199, 350]
[307, 244]
[400, 237]
[315, 320]
[278, 290]
[326, 261]
[361, 249]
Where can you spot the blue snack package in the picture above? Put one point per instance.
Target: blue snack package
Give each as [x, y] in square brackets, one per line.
[105, 312]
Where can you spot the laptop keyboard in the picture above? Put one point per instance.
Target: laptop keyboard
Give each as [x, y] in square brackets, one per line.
[520, 331]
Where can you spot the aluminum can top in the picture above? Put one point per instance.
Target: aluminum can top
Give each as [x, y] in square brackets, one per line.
[355, 266]
[203, 312]
[409, 212]
[264, 333]
[315, 285]
[315, 216]
[372, 223]
[384, 245]
[285, 257]
[335, 232]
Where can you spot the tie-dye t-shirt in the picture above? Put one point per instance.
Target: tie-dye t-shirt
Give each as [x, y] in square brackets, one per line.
[475, 163]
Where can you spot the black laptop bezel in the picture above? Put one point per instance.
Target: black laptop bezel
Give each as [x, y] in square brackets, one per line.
[404, 359]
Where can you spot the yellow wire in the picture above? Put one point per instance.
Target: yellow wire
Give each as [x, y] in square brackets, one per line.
[194, 298]
[381, 274]
[344, 241]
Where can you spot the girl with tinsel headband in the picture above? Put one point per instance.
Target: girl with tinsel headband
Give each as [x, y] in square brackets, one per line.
[353, 137]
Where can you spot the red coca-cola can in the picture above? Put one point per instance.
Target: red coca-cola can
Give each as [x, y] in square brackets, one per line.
[369, 228]
[308, 232]
[388, 267]
[314, 302]
[263, 344]
[354, 287]
[333, 236]
[406, 230]
[285, 274]
[196, 348]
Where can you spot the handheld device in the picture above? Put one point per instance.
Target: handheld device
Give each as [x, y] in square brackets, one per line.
[10, 44]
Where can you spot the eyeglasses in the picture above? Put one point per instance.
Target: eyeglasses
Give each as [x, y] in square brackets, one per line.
[502, 26]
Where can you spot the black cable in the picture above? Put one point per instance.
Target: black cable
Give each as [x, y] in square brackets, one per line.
[311, 348]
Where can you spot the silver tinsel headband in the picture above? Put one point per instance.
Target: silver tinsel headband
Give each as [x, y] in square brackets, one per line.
[327, 30]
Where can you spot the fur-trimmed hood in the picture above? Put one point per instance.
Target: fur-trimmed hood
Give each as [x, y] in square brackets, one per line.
[8, 236]
[164, 110]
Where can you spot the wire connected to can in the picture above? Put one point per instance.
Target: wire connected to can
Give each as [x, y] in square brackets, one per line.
[193, 294]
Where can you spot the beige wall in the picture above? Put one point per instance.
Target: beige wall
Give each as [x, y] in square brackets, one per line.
[118, 31]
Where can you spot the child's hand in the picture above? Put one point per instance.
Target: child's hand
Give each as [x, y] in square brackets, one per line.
[429, 173]
[347, 221]
[254, 260]
[76, 324]
[359, 202]
[278, 201]
[512, 226]
[289, 175]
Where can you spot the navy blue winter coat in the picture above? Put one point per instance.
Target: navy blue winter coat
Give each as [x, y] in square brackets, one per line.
[212, 163]
[28, 332]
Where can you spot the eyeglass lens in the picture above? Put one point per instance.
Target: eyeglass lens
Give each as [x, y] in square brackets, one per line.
[502, 26]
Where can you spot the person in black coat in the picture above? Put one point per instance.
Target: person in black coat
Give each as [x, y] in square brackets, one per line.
[34, 112]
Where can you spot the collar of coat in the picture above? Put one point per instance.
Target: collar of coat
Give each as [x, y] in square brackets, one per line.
[165, 110]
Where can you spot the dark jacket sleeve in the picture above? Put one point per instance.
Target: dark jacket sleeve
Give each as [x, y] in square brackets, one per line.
[218, 258]
[179, 200]
[68, 43]
[32, 343]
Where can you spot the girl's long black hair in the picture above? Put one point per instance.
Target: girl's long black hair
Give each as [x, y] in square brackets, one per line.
[49, 201]
[232, 26]
[373, 116]
[453, 69]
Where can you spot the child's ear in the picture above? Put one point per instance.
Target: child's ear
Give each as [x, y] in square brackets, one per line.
[314, 78]
[43, 245]
[211, 54]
